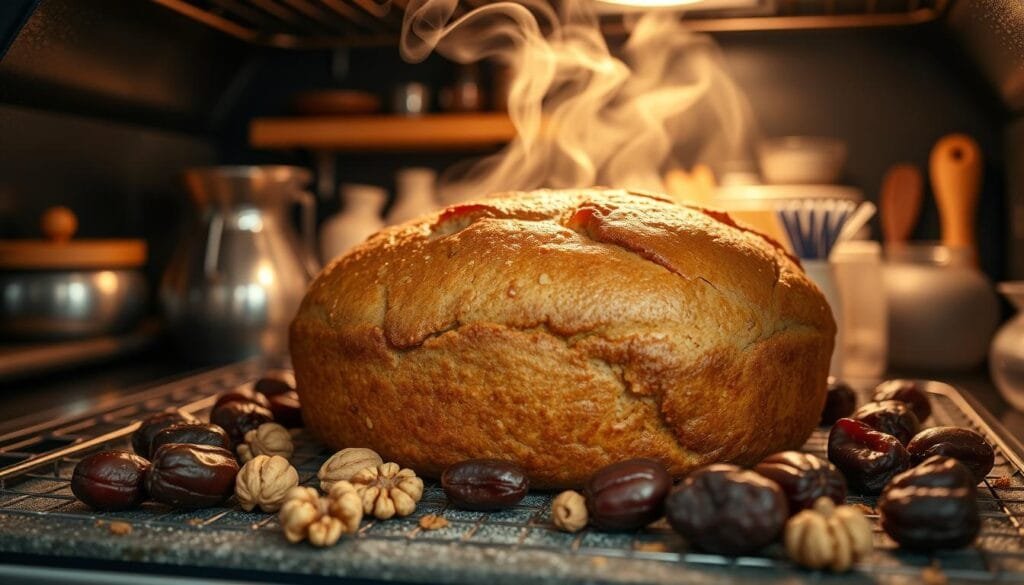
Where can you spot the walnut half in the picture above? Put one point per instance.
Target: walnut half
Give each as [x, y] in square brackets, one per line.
[388, 490]
[321, 520]
[269, 439]
[827, 536]
[346, 463]
[264, 481]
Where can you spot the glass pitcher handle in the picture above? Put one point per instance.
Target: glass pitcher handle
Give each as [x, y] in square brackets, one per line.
[308, 226]
[211, 257]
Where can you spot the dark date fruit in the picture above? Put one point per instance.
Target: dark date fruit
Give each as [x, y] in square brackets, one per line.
[840, 402]
[484, 484]
[142, 438]
[867, 458]
[964, 445]
[275, 382]
[727, 510]
[243, 393]
[627, 495]
[908, 392]
[803, 478]
[239, 417]
[286, 409]
[191, 476]
[192, 434]
[891, 417]
[932, 506]
[110, 480]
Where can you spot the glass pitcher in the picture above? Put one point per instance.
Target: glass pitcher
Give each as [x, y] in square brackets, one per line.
[238, 275]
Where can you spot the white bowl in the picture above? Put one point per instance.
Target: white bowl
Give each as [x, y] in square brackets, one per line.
[801, 160]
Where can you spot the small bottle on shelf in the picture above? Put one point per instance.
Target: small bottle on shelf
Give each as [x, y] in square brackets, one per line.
[415, 194]
[359, 218]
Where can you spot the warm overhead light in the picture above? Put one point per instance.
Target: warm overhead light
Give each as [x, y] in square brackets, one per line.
[632, 5]
[651, 3]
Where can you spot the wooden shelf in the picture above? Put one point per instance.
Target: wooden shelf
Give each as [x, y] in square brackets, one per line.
[433, 132]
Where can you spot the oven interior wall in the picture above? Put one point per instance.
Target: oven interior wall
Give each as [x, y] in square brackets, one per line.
[103, 102]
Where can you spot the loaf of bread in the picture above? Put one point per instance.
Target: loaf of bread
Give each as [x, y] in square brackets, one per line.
[564, 330]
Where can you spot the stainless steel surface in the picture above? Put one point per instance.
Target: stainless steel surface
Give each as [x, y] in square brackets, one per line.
[22, 360]
[296, 24]
[69, 304]
[240, 271]
[40, 518]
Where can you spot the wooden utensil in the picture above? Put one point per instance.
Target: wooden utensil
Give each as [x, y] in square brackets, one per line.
[902, 189]
[955, 169]
[60, 252]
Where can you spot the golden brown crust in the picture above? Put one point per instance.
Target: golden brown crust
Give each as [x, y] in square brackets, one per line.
[564, 330]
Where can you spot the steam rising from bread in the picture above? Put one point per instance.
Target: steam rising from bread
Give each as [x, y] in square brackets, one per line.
[584, 115]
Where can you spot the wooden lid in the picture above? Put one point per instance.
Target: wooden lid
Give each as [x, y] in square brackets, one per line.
[61, 252]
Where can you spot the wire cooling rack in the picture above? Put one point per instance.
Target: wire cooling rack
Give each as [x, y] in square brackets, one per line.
[42, 523]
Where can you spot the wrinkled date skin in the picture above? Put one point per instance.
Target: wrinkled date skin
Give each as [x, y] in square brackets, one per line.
[142, 438]
[727, 510]
[484, 484]
[627, 495]
[238, 417]
[908, 392]
[891, 417]
[867, 458]
[192, 476]
[192, 434]
[840, 402]
[275, 382]
[243, 393]
[803, 478]
[932, 506]
[287, 409]
[964, 445]
[110, 480]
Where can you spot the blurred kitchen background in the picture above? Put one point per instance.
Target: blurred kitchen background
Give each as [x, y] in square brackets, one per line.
[104, 104]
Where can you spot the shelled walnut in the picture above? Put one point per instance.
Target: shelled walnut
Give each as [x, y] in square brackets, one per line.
[569, 511]
[302, 507]
[828, 536]
[264, 481]
[346, 463]
[388, 490]
[306, 515]
[268, 439]
[345, 504]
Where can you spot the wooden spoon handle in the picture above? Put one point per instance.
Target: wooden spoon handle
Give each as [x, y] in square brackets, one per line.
[902, 189]
[955, 170]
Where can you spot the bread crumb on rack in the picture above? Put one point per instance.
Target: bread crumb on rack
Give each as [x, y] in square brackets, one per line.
[120, 528]
[1001, 482]
[433, 522]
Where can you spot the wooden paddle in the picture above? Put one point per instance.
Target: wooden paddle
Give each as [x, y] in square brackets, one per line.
[955, 169]
[902, 191]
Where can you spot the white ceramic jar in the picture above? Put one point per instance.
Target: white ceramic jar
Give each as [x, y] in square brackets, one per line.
[1006, 357]
[358, 219]
[414, 194]
[942, 309]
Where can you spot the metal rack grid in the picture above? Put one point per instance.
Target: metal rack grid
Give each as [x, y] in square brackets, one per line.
[36, 503]
[319, 24]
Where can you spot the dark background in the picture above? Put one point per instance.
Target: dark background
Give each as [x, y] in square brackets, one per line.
[104, 102]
